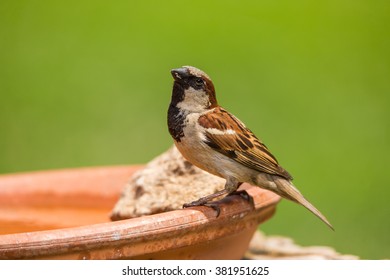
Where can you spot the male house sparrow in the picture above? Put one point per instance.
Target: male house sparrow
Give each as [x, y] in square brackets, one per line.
[214, 140]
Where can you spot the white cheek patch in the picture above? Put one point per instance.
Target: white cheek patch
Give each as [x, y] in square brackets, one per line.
[216, 131]
[194, 100]
[193, 92]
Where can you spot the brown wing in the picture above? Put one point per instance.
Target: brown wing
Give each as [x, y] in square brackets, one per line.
[239, 143]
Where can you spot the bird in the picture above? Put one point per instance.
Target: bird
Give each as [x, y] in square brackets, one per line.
[211, 138]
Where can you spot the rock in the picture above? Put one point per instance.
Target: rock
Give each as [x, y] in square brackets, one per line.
[264, 247]
[165, 184]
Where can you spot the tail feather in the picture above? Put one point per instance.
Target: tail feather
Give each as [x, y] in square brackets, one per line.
[287, 190]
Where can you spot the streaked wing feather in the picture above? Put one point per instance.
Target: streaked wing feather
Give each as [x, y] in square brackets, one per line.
[243, 146]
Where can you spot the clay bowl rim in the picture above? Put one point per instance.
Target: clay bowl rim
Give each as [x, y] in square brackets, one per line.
[141, 229]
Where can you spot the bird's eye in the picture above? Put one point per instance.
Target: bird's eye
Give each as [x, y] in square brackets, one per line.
[199, 82]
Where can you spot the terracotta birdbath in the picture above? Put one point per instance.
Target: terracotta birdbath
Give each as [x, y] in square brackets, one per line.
[64, 214]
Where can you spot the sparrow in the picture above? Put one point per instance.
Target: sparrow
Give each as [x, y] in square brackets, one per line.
[216, 141]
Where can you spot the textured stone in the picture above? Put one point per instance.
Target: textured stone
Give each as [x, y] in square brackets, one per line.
[264, 247]
[166, 183]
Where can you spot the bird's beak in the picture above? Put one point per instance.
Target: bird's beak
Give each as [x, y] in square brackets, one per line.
[179, 73]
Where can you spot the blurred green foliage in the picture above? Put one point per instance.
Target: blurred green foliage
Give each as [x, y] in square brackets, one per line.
[87, 83]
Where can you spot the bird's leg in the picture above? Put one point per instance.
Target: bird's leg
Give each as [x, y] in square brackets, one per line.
[204, 201]
[230, 186]
[244, 194]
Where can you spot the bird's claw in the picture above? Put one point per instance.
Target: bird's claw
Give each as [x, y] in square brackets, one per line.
[215, 206]
[200, 202]
[244, 194]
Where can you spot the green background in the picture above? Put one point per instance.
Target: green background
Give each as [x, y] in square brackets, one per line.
[87, 83]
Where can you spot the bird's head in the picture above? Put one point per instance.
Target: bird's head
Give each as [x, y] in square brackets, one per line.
[193, 90]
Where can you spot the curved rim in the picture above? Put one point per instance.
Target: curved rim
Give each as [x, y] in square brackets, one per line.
[140, 232]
